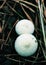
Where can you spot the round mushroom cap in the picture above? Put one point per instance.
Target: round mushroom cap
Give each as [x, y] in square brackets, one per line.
[26, 45]
[24, 27]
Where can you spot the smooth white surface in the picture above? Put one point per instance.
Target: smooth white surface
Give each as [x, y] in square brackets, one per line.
[24, 26]
[26, 45]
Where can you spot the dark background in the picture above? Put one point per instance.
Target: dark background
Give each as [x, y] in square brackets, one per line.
[8, 55]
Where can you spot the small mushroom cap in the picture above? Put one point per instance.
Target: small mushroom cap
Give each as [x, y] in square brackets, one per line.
[26, 45]
[24, 26]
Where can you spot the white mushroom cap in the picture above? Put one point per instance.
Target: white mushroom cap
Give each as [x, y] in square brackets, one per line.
[26, 45]
[24, 26]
